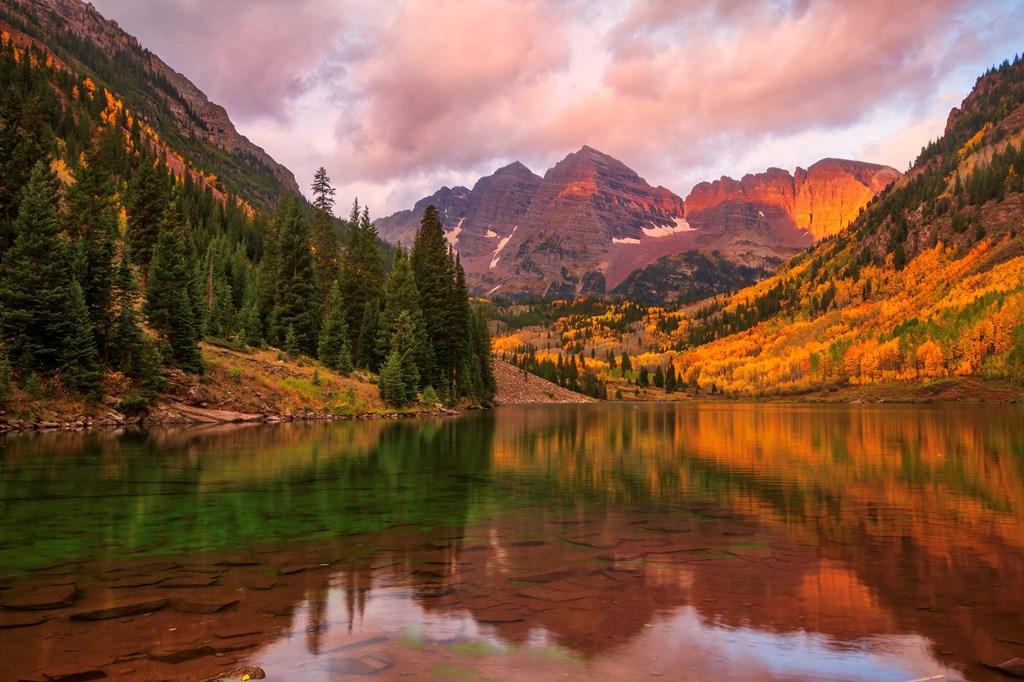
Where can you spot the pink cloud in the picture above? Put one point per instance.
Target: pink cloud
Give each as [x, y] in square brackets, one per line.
[253, 56]
[412, 93]
[448, 81]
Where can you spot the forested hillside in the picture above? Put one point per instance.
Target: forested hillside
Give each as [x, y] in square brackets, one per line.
[927, 284]
[116, 263]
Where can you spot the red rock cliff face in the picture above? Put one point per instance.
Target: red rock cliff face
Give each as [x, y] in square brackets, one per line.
[820, 201]
[586, 205]
[831, 193]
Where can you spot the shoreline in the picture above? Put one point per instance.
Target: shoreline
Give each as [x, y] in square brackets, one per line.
[196, 416]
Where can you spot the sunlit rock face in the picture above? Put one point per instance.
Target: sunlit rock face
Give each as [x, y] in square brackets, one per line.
[592, 225]
[819, 201]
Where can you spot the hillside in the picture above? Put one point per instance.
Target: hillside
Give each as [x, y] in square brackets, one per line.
[925, 288]
[126, 264]
[167, 105]
[591, 226]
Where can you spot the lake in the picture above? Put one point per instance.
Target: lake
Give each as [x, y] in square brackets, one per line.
[608, 541]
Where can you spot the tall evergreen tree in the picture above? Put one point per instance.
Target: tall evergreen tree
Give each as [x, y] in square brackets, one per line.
[325, 238]
[128, 348]
[401, 297]
[361, 278]
[24, 140]
[168, 305]
[91, 222]
[147, 201]
[296, 303]
[458, 342]
[35, 279]
[80, 371]
[334, 349]
[671, 381]
[367, 355]
[399, 378]
[433, 268]
[484, 385]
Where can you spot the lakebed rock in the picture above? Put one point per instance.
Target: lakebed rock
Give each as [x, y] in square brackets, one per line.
[1013, 667]
[44, 598]
[120, 609]
[248, 672]
[20, 620]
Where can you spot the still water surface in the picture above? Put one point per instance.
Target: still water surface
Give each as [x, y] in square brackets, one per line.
[619, 542]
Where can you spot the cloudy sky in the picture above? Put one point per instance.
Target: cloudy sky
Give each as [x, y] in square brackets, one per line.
[398, 97]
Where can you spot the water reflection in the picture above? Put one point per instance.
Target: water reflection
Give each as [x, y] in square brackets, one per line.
[618, 541]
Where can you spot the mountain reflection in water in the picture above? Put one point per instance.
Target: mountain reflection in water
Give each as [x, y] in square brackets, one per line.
[601, 541]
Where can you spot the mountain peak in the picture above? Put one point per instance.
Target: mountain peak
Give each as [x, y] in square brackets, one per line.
[517, 168]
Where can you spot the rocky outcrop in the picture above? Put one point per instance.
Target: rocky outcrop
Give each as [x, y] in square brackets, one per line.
[192, 111]
[400, 228]
[516, 387]
[475, 220]
[819, 201]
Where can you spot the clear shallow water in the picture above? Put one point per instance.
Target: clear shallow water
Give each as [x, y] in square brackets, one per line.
[595, 542]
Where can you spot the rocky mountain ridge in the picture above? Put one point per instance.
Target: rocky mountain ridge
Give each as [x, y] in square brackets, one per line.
[75, 31]
[591, 225]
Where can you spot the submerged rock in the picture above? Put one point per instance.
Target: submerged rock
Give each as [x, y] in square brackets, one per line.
[248, 672]
[120, 609]
[369, 664]
[74, 672]
[54, 597]
[176, 653]
[20, 620]
[1014, 667]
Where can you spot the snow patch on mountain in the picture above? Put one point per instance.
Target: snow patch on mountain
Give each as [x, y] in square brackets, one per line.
[664, 231]
[501, 245]
[453, 236]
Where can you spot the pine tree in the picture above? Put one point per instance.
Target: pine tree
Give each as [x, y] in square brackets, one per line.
[401, 297]
[291, 342]
[479, 356]
[366, 353]
[625, 364]
[325, 238]
[334, 334]
[361, 279]
[23, 144]
[252, 325]
[296, 304]
[659, 377]
[79, 368]
[670, 379]
[91, 222]
[168, 306]
[5, 377]
[128, 348]
[391, 383]
[35, 279]
[399, 378]
[432, 265]
[459, 343]
[146, 205]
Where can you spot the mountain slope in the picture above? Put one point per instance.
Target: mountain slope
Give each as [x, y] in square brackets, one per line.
[921, 297]
[76, 35]
[593, 226]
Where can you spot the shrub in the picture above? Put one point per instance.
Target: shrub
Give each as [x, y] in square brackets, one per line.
[133, 404]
